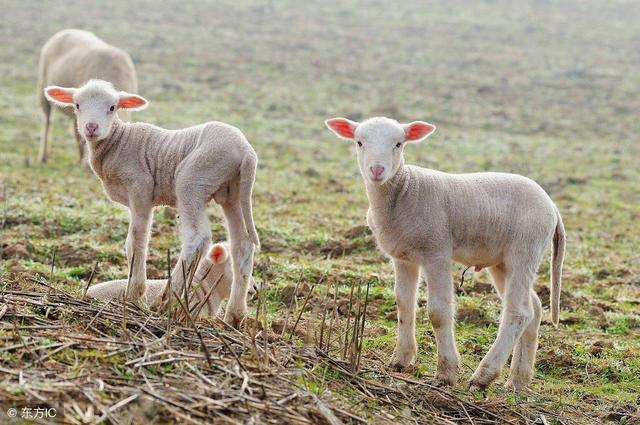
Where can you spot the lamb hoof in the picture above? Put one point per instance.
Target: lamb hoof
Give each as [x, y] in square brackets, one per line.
[399, 366]
[480, 381]
[444, 381]
[517, 385]
[233, 319]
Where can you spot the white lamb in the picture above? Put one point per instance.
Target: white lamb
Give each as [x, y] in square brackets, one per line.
[71, 58]
[425, 219]
[213, 278]
[142, 166]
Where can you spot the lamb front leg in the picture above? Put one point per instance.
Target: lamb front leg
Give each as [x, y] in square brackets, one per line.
[440, 306]
[136, 247]
[406, 297]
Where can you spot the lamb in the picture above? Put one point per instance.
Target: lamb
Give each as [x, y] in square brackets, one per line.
[212, 283]
[70, 58]
[142, 166]
[425, 219]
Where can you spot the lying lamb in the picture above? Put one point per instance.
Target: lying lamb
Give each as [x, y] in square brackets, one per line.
[212, 283]
[72, 57]
[424, 219]
[142, 166]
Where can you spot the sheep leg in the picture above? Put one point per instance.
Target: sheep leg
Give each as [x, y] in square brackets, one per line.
[241, 261]
[136, 246]
[46, 132]
[517, 314]
[406, 289]
[524, 354]
[195, 236]
[441, 306]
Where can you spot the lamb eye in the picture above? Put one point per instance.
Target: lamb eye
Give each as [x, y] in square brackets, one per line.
[78, 106]
[398, 145]
[359, 143]
[113, 108]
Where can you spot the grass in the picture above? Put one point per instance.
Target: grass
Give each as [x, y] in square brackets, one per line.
[550, 90]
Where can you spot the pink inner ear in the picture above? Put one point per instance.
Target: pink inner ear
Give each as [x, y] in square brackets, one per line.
[60, 95]
[217, 254]
[341, 126]
[418, 130]
[131, 102]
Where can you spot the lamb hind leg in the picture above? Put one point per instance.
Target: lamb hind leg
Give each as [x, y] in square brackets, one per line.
[195, 236]
[440, 306]
[406, 289]
[517, 314]
[242, 263]
[524, 354]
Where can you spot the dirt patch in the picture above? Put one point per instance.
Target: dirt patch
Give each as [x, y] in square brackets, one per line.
[304, 329]
[70, 256]
[18, 250]
[356, 238]
[472, 315]
[287, 293]
[480, 287]
[599, 346]
[568, 301]
[340, 247]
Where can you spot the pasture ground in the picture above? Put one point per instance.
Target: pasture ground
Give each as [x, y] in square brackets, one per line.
[546, 89]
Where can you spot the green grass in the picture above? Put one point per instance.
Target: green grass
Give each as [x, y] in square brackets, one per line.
[546, 89]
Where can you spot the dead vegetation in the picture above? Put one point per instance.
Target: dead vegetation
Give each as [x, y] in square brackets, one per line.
[112, 362]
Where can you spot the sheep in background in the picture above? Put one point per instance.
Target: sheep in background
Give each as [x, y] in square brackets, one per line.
[142, 166]
[213, 277]
[425, 219]
[71, 58]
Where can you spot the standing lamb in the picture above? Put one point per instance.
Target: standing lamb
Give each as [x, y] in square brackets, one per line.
[211, 284]
[142, 166]
[424, 219]
[71, 58]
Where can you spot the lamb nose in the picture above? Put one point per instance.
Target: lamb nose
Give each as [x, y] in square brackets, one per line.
[377, 171]
[91, 127]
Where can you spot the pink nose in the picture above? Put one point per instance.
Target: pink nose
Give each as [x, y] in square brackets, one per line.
[376, 171]
[91, 128]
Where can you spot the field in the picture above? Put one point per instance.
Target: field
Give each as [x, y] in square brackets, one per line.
[547, 89]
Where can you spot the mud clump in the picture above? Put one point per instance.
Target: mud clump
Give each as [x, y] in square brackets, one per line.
[289, 292]
[16, 250]
[471, 315]
[599, 346]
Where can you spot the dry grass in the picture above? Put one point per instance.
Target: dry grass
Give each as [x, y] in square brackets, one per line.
[116, 362]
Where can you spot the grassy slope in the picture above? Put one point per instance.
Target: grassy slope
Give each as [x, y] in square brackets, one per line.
[546, 89]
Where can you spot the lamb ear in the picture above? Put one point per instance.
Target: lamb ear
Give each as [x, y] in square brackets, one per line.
[60, 96]
[218, 254]
[342, 127]
[417, 130]
[131, 101]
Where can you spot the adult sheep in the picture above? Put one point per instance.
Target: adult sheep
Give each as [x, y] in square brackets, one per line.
[425, 219]
[71, 58]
